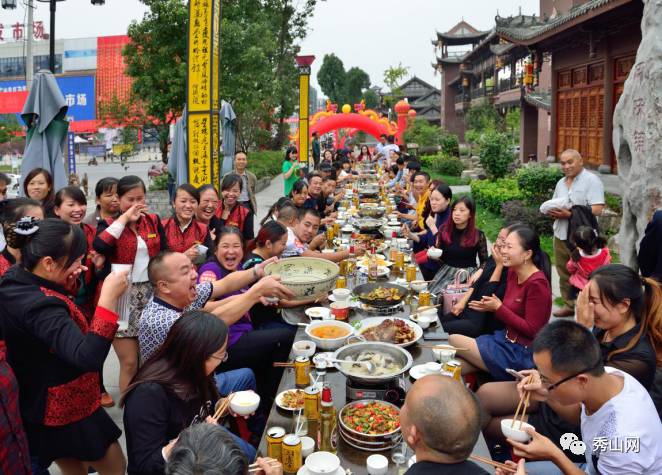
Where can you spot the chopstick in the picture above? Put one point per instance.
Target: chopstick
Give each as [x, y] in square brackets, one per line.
[222, 407]
[254, 467]
[442, 347]
[283, 365]
[523, 400]
[491, 462]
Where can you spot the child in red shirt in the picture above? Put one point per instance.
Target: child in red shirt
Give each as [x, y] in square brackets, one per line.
[591, 252]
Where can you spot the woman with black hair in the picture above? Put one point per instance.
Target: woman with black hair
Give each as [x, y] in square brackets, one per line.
[290, 169]
[525, 309]
[230, 212]
[183, 232]
[299, 194]
[174, 389]
[274, 210]
[11, 212]
[108, 203]
[38, 185]
[57, 354]
[205, 211]
[133, 238]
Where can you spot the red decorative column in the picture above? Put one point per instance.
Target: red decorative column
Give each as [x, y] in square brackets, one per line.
[402, 109]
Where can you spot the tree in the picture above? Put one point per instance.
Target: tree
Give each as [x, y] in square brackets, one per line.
[513, 123]
[422, 133]
[371, 98]
[393, 76]
[483, 117]
[9, 126]
[356, 81]
[331, 78]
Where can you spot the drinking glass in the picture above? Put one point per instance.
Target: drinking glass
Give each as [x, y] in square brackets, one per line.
[399, 456]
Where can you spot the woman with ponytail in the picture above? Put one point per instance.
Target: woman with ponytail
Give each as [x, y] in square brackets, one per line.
[11, 212]
[56, 353]
[525, 309]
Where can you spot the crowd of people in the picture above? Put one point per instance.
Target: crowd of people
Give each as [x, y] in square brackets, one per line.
[204, 321]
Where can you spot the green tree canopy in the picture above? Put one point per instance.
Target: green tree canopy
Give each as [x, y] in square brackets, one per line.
[331, 78]
[356, 81]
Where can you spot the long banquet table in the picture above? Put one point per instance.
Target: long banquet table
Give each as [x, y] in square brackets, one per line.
[350, 457]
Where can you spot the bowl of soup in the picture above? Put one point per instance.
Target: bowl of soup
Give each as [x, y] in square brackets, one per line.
[329, 334]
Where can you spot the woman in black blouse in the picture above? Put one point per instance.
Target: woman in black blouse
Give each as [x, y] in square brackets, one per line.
[462, 244]
[174, 389]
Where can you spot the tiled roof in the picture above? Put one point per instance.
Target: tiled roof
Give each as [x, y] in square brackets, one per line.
[540, 99]
[524, 27]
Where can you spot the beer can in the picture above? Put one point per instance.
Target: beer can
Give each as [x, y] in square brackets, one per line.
[275, 437]
[291, 454]
[330, 234]
[411, 272]
[301, 371]
[336, 229]
[423, 298]
[341, 282]
[311, 402]
[400, 260]
[455, 367]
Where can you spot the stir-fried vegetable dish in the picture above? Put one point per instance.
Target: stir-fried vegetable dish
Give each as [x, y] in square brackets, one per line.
[383, 293]
[373, 418]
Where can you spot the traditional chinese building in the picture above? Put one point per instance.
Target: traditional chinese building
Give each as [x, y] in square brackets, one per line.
[422, 97]
[590, 46]
[88, 71]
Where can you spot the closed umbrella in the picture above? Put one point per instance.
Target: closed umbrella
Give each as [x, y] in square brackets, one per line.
[44, 114]
[229, 125]
[177, 164]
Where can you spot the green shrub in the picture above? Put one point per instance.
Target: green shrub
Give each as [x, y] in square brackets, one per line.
[495, 154]
[472, 136]
[537, 182]
[426, 161]
[464, 150]
[160, 182]
[518, 211]
[492, 194]
[442, 164]
[450, 145]
[266, 162]
[614, 203]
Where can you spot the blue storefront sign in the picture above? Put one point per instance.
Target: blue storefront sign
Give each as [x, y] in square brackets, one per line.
[71, 152]
[78, 92]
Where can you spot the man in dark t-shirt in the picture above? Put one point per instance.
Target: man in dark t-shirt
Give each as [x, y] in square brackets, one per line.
[440, 421]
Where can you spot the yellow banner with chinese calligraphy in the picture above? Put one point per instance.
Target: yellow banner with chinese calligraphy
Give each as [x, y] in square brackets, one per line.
[304, 84]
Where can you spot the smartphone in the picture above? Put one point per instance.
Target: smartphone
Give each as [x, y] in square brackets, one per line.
[514, 374]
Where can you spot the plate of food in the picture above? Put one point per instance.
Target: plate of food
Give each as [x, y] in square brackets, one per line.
[380, 294]
[381, 261]
[394, 330]
[381, 271]
[370, 420]
[290, 400]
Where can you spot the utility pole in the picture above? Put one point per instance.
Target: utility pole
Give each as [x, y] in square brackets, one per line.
[29, 62]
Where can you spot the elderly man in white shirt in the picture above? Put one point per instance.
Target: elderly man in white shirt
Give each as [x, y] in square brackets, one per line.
[581, 188]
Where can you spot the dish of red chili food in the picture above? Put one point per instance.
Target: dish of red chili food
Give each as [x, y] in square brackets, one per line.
[373, 418]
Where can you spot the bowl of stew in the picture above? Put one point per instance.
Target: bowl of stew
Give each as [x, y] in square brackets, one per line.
[329, 334]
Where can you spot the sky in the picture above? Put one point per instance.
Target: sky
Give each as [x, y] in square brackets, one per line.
[370, 34]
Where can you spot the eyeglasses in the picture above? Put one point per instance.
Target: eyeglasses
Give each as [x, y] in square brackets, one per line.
[222, 359]
[555, 385]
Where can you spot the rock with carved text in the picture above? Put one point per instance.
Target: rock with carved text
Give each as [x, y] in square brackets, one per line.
[637, 135]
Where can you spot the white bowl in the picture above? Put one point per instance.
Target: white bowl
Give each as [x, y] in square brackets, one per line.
[443, 355]
[322, 463]
[392, 217]
[434, 253]
[341, 294]
[318, 312]
[430, 313]
[347, 229]
[328, 344]
[305, 276]
[432, 367]
[418, 285]
[304, 348]
[516, 433]
[244, 403]
[423, 321]
[307, 446]
[377, 464]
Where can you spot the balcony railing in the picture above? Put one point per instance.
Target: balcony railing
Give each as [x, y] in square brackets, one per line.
[507, 84]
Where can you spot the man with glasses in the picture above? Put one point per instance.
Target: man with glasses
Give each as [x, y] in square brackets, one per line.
[621, 431]
[175, 291]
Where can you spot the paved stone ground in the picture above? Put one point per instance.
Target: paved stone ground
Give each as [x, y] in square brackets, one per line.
[265, 199]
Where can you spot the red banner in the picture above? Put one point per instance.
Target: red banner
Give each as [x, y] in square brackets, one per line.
[12, 102]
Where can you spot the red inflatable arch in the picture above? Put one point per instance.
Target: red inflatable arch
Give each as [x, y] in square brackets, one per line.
[349, 121]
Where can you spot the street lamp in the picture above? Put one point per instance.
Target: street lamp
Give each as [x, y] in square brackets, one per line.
[53, 3]
[8, 4]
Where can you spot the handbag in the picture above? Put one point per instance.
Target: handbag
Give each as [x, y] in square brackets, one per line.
[454, 292]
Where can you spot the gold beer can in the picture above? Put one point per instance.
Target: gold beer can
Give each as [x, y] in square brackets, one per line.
[330, 234]
[344, 267]
[302, 371]
[423, 298]
[455, 367]
[410, 272]
[336, 229]
[400, 260]
[341, 282]
[291, 454]
[275, 437]
[311, 402]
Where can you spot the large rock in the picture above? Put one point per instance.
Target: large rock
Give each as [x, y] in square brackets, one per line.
[637, 135]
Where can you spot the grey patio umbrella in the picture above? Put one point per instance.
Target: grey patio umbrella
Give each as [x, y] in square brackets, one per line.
[44, 113]
[229, 126]
[177, 164]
